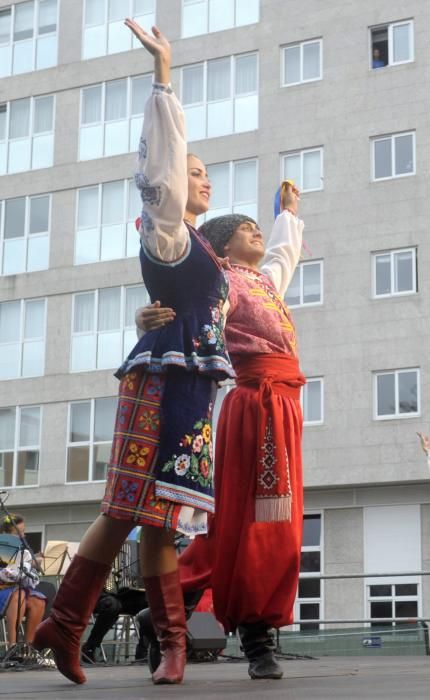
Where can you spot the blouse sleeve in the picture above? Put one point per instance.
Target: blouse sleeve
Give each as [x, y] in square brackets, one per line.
[162, 176]
[283, 250]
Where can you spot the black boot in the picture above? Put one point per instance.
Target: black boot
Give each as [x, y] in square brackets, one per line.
[88, 655]
[146, 629]
[108, 610]
[258, 642]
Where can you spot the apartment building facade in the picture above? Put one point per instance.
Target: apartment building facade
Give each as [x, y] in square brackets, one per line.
[331, 94]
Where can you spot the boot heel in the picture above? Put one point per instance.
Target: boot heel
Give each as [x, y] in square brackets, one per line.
[70, 613]
[166, 602]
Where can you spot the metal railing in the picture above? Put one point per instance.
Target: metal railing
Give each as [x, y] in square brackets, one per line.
[368, 621]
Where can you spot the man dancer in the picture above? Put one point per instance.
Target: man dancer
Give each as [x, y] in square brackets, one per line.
[251, 556]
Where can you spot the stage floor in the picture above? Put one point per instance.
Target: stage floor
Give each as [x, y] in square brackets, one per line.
[328, 678]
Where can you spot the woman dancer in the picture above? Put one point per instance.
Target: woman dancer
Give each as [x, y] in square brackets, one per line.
[251, 557]
[157, 478]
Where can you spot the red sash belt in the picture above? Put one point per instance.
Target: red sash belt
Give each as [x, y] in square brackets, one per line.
[272, 375]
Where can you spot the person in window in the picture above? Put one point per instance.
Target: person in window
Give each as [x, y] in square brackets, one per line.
[251, 557]
[157, 478]
[29, 600]
[377, 61]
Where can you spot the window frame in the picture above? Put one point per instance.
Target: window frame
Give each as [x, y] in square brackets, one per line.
[27, 235]
[392, 252]
[397, 415]
[301, 153]
[301, 45]
[134, 43]
[207, 12]
[21, 341]
[311, 575]
[393, 598]
[122, 329]
[302, 303]
[34, 39]
[91, 443]
[233, 96]
[103, 122]
[232, 205]
[392, 138]
[390, 26]
[31, 134]
[16, 447]
[313, 380]
[127, 184]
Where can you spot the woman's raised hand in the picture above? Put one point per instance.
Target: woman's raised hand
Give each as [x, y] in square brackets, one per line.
[158, 46]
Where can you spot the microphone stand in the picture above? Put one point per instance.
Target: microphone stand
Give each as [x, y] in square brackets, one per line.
[21, 653]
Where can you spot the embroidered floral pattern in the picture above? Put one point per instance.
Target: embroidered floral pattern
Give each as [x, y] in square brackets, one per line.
[182, 465]
[154, 386]
[146, 222]
[129, 380]
[151, 194]
[137, 455]
[159, 504]
[143, 148]
[149, 421]
[211, 335]
[127, 491]
[195, 464]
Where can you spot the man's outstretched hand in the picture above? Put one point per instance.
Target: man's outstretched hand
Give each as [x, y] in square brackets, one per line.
[153, 316]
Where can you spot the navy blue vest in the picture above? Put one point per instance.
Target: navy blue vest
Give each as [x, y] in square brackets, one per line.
[196, 287]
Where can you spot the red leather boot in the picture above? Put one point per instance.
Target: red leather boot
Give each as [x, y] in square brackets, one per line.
[166, 602]
[75, 601]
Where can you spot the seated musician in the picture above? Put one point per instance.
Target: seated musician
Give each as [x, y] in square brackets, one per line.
[32, 603]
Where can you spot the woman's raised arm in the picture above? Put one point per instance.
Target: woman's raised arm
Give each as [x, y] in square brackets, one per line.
[162, 169]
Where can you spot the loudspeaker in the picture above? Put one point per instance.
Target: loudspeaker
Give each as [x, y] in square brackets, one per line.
[205, 633]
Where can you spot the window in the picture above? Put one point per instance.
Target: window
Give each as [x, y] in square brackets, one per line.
[309, 596]
[234, 188]
[104, 29]
[397, 393]
[91, 425]
[395, 272]
[20, 446]
[105, 228]
[24, 234]
[221, 96]
[313, 401]
[22, 338]
[104, 329]
[305, 168]
[203, 16]
[394, 156]
[302, 63]
[305, 288]
[392, 538]
[28, 37]
[392, 44]
[395, 600]
[111, 116]
[27, 134]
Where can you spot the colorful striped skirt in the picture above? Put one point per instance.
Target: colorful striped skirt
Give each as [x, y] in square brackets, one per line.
[160, 471]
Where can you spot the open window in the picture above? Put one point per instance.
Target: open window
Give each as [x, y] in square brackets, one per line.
[379, 57]
[391, 44]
